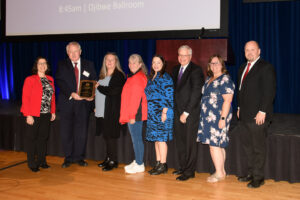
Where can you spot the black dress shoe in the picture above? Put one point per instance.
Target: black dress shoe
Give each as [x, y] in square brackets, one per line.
[178, 172]
[185, 177]
[44, 166]
[66, 164]
[82, 163]
[111, 164]
[256, 183]
[161, 169]
[245, 178]
[104, 163]
[154, 168]
[34, 169]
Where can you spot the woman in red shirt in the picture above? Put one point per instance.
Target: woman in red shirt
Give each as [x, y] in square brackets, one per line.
[134, 110]
[38, 106]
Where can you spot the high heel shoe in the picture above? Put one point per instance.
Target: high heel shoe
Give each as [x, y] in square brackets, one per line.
[104, 163]
[161, 169]
[154, 168]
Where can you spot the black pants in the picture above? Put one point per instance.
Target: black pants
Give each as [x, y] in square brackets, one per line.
[74, 121]
[253, 138]
[36, 140]
[111, 143]
[185, 136]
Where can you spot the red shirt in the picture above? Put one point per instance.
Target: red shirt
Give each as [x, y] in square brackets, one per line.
[132, 94]
[32, 96]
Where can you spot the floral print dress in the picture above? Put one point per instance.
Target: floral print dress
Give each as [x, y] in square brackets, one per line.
[211, 107]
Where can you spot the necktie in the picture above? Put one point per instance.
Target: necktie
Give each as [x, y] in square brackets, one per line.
[76, 71]
[180, 74]
[249, 64]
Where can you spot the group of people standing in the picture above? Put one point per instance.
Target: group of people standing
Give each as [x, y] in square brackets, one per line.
[182, 106]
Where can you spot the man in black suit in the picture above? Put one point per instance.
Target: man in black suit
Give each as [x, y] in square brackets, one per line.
[188, 82]
[74, 111]
[257, 87]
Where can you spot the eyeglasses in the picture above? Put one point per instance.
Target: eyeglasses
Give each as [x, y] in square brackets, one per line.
[216, 63]
[180, 55]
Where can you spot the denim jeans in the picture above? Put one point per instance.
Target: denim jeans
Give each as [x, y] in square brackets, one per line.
[137, 140]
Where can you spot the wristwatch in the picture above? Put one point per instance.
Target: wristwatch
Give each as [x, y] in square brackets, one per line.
[222, 118]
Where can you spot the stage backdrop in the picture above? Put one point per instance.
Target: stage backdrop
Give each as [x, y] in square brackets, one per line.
[275, 25]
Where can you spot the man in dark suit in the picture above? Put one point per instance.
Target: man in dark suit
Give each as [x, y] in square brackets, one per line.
[257, 87]
[74, 111]
[188, 82]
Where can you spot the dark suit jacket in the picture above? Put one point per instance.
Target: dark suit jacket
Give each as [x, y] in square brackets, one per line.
[188, 91]
[257, 92]
[111, 125]
[65, 79]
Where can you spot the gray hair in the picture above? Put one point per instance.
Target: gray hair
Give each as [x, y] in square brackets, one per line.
[186, 47]
[73, 43]
[140, 60]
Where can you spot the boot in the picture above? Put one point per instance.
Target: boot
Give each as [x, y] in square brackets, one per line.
[154, 168]
[161, 169]
[104, 163]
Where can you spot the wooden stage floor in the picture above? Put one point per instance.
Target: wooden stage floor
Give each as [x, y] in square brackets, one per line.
[75, 182]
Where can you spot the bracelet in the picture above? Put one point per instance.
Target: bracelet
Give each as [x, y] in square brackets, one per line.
[164, 113]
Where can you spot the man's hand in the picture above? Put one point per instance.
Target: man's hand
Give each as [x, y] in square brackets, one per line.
[183, 118]
[75, 96]
[260, 118]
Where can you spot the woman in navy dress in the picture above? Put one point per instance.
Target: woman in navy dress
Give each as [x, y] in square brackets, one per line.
[159, 92]
[216, 114]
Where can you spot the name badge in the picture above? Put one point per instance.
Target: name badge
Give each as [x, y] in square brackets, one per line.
[85, 73]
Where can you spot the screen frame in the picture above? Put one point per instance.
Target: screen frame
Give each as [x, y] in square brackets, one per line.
[177, 34]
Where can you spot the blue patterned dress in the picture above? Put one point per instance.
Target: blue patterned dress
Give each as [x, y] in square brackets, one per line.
[211, 107]
[160, 95]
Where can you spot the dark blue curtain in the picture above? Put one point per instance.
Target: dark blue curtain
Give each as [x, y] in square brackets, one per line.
[276, 26]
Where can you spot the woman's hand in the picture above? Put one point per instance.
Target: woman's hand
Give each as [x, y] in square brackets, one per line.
[53, 116]
[221, 124]
[163, 117]
[29, 120]
[131, 121]
[97, 84]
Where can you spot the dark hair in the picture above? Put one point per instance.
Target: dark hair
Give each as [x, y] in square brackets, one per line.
[35, 69]
[224, 70]
[163, 69]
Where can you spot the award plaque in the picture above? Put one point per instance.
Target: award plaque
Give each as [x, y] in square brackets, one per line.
[87, 89]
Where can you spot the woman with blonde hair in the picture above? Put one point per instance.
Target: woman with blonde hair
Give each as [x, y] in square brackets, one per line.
[107, 107]
[134, 110]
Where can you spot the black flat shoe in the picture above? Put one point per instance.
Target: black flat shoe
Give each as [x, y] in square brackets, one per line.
[154, 168]
[34, 169]
[185, 177]
[256, 183]
[161, 169]
[104, 163]
[245, 178]
[82, 163]
[111, 164]
[44, 166]
[66, 164]
[177, 172]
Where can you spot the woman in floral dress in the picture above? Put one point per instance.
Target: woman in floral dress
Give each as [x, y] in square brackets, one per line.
[216, 114]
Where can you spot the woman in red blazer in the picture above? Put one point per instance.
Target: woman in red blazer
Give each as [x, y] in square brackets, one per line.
[38, 106]
[134, 110]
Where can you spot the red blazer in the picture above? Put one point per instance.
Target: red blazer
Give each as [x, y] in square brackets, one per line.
[32, 96]
[132, 94]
